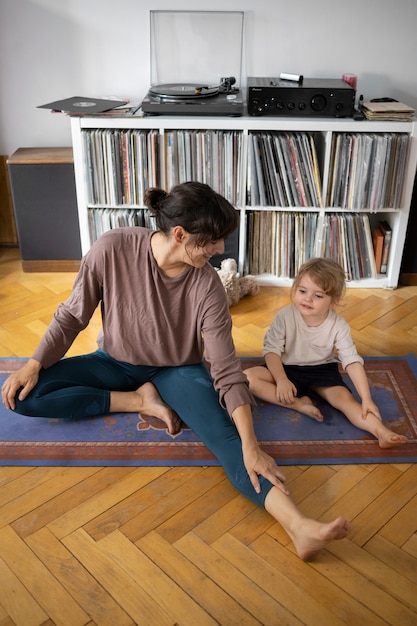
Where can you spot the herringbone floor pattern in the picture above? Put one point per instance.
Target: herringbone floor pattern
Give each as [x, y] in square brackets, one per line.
[177, 546]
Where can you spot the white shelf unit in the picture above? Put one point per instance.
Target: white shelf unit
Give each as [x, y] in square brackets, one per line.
[322, 129]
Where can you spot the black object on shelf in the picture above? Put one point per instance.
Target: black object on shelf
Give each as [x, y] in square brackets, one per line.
[45, 205]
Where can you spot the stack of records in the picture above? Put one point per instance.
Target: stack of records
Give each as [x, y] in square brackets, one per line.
[81, 105]
[392, 111]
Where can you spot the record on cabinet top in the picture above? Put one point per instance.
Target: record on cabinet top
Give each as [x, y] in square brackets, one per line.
[181, 91]
[81, 104]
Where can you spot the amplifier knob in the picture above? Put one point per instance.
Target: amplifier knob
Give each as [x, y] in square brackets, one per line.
[291, 106]
[302, 106]
[339, 106]
[280, 105]
[318, 102]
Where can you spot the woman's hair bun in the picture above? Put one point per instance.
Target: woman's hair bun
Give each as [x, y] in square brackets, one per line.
[154, 197]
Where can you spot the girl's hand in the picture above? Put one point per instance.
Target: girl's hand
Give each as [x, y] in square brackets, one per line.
[257, 462]
[370, 407]
[285, 391]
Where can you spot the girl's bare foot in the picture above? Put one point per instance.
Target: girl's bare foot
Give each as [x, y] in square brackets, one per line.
[153, 405]
[311, 536]
[388, 439]
[305, 405]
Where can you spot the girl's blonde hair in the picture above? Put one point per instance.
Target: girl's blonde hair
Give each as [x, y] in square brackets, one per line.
[327, 274]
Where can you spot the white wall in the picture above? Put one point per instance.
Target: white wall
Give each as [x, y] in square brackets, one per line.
[53, 49]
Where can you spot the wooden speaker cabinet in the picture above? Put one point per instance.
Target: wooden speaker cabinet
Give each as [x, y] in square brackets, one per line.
[45, 205]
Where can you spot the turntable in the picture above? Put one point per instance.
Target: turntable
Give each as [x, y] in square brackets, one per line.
[194, 99]
[178, 39]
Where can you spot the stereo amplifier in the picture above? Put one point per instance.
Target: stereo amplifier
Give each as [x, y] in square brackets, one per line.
[318, 97]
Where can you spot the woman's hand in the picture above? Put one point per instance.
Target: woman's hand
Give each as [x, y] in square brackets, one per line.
[256, 461]
[259, 463]
[24, 378]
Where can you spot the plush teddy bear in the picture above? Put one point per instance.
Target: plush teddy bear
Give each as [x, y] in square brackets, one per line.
[236, 287]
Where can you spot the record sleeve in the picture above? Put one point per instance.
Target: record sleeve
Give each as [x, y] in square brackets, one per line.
[81, 104]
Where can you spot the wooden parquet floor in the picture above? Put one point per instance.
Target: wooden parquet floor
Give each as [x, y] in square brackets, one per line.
[122, 546]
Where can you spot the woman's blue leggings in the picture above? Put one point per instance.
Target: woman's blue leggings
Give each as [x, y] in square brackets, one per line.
[78, 387]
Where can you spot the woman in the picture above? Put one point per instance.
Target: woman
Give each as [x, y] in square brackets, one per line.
[162, 306]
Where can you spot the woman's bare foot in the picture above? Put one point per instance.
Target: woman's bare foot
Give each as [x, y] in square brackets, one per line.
[146, 401]
[305, 405]
[311, 536]
[153, 405]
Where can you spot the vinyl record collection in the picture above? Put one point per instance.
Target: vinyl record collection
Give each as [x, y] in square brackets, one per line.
[213, 157]
[367, 170]
[283, 170]
[121, 164]
[279, 242]
[102, 220]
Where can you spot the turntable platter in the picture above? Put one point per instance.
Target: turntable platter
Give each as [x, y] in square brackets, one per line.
[183, 91]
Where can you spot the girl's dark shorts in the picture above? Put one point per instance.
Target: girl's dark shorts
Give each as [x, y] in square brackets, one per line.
[307, 377]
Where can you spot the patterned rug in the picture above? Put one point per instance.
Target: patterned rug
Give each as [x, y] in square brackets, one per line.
[291, 438]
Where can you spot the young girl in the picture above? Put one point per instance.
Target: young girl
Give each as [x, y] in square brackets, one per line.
[299, 352]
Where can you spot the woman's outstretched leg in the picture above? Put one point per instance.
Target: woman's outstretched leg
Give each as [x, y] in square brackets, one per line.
[190, 392]
[308, 535]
